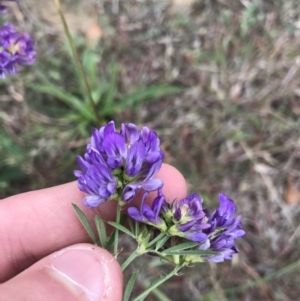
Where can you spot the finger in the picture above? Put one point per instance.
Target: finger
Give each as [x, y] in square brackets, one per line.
[80, 272]
[35, 224]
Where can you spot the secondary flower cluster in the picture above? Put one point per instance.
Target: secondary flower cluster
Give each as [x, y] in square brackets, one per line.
[186, 219]
[15, 49]
[3, 8]
[119, 164]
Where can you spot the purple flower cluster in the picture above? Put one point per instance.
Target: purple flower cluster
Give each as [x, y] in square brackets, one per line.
[119, 164]
[15, 49]
[186, 219]
[224, 229]
[149, 215]
[3, 8]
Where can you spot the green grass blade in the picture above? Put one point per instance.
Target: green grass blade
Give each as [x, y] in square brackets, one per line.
[129, 286]
[150, 93]
[131, 225]
[108, 103]
[161, 242]
[84, 220]
[183, 246]
[121, 228]
[190, 252]
[101, 229]
[67, 98]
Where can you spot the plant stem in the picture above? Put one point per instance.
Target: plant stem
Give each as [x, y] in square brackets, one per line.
[159, 294]
[118, 217]
[77, 60]
[156, 284]
[156, 239]
[128, 261]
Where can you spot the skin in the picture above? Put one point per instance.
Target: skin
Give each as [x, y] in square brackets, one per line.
[39, 231]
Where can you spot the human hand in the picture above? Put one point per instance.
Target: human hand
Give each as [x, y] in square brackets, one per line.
[44, 250]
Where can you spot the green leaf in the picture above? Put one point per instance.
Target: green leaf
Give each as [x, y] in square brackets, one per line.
[67, 98]
[137, 228]
[129, 286]
[131, 225]
[191, 252]
[101, 229]
[110, 240]
[83, 219]
[108, 103]
[121, 228]
[98, 92]
[90, 60]
[183, 246]
[156, 239]
[161, 242]
[150, 93]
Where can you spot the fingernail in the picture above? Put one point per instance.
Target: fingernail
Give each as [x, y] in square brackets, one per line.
[82, 271]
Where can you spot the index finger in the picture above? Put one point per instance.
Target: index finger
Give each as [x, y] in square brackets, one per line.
[37, 223]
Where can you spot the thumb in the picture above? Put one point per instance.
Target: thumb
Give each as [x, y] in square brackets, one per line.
[80, 272]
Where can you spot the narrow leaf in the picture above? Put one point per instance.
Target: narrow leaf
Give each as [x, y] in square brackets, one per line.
[131, 225]
[156, 239]
[137, 228]
[191, 252]
[121, 228]
[129, 286]
[161, 242]
[69, 99]
[149, 93]
[108, 102]
[183, 246]
[101, 229]
[110, 240]
[85, 222]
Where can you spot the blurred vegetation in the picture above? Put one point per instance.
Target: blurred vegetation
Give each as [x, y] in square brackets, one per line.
[219, 81]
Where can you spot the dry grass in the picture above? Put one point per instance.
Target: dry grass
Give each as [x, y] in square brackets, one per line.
[235, 127]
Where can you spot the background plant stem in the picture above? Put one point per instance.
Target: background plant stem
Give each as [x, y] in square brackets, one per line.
[157, 284]
[116, 242]
[129, 260]
[77, 60]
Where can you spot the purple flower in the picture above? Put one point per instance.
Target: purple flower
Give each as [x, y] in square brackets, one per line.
[15, 49]
[188, 218]
[129, 159]
[3, 8]
[147, 214]
[225, 228]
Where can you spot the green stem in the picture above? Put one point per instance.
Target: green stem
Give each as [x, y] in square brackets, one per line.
[118, 217]
[77, 60]
[157, 284]
[156, 292]
[156, 239]
[128, 261]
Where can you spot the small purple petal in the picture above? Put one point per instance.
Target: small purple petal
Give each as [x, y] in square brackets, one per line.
[82, 163]
[227, 205]
[131, 133]
[92, 201]
[152, 185]
[157, 204]
[114, 146]
[109, 128]
[187, 226]
[195, 236]
[77, 173]
[135, 158]
[135, 214]
[130, 191]
[216, 258]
